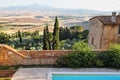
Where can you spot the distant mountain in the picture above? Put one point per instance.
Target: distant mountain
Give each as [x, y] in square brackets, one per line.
[32, 7]
[44, 8]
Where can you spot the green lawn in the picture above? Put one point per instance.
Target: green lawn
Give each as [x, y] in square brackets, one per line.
[24, 66]
[5, 79]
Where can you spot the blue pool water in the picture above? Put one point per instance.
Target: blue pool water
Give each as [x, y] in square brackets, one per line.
[85, 77]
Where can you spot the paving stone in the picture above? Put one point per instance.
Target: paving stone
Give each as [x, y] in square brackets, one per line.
[42, 73]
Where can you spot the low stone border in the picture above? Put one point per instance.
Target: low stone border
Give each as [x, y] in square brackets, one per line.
[7, 73]
[42, 73]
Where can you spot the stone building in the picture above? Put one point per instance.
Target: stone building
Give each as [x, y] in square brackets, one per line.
[104, 31]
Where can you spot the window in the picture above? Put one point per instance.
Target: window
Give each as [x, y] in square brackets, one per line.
[119, 30]
[92, 42]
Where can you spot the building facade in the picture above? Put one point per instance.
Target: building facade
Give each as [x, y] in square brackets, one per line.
[104, 31]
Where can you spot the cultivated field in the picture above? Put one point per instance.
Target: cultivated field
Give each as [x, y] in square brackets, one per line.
[12, 22]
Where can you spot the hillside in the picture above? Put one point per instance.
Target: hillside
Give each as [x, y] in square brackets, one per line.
[49, 9]
[35, 17]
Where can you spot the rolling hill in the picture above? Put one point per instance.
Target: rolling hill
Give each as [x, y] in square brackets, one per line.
[49, 9]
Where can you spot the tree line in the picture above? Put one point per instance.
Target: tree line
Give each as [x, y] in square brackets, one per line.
[60, 38]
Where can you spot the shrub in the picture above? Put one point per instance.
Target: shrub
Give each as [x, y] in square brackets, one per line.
[81, 46]
[103, 57]
[111, 58]
[87, 58]
[81, 57]
[77, 60]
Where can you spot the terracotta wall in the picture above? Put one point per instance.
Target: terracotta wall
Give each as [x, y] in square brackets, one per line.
[42, 57]
[10, 56]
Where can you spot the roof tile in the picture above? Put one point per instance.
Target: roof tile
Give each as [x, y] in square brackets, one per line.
[106, 20]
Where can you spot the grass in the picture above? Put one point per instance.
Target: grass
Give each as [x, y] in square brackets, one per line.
[24, 66]
[5, 79]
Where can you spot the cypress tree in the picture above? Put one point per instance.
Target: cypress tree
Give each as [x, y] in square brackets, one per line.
[47, 30]
[56, 35]
[67, 33]
[20, 36]
[49, 37]
[45, 40]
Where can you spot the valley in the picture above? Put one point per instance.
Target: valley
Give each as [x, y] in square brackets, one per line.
[12, 22]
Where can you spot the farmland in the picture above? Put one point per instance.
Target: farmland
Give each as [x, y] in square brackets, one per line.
[12, 22]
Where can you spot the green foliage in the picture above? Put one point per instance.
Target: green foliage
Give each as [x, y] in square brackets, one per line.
[115, 47]
[111, 58]
[15, 67]
[45, 39]
[81, 46]
[25, 34]
[76, 28]
[55, 44]
[85, 35]
[20, 36]
[87, 58]
[5, 79]
[73, 33]
[36, 37]
[81, 57]
[32, 40]
[77, 59]
[62, 44]
[4, 38]
[50, 38]
[64, 33]
[27, 46]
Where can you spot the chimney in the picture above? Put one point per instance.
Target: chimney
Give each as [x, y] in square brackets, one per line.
[113, 18]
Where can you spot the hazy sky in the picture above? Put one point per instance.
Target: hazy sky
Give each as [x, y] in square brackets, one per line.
[105, 5]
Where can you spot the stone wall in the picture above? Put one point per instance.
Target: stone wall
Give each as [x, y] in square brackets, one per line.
[43, 57]
[117, 39]
[109, 34]
[7, 73]
[96, 30]
[10, 56]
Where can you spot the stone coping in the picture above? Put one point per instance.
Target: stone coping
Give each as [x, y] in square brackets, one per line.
[43, 73]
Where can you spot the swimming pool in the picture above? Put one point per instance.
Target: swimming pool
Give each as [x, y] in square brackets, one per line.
[84, 76]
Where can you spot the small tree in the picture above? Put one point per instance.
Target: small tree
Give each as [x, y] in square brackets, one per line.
[50, 38]
[45, 40]
[4, 38]
[20, 36]
[111, 58]
[56, 35]
[27, 45]
[81, 46]
[36, 37]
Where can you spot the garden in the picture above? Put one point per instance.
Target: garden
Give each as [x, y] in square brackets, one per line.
[84, 57]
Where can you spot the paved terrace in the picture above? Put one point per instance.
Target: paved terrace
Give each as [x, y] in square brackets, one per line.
[42, 73]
